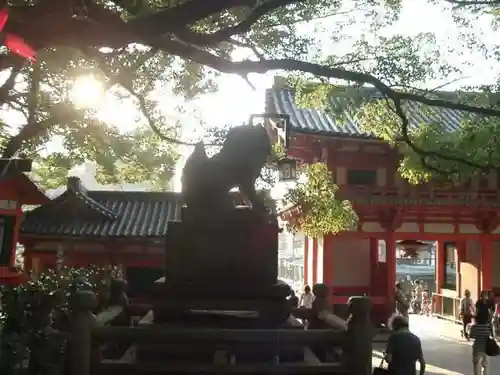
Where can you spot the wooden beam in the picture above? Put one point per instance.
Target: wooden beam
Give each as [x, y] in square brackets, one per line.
[19, 165]
[222, 336]
[111, 367]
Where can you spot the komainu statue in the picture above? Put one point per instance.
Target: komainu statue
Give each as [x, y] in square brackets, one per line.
[207, 181]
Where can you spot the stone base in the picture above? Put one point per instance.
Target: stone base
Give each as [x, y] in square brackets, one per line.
[203, 353]
[239, 248]
[174, 302]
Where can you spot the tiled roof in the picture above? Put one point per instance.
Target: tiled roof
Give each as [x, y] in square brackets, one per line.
[80, 212]
[304, 120]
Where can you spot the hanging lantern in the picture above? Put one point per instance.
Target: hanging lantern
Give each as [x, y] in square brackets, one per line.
[13, 42]
[410, 248]
[287, 170]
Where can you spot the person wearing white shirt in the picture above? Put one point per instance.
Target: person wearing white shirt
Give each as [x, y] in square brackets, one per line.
[307, 298]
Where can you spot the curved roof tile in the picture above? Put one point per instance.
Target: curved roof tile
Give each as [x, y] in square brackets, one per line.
[121, 214]
[305, 120]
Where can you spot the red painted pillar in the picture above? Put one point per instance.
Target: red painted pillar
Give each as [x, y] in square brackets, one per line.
[374, 267]
[460, 256]
[486, 260]
[306, 259]
[440, 265]
[314, 261]
[391, 271]
[328, 260]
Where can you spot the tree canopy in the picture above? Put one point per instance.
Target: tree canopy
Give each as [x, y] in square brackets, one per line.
[131, 45]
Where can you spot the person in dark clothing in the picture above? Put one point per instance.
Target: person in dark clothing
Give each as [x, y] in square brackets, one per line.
[402, 304]
[480, 332]
[404, 349]
[294, 300]
[486, 301]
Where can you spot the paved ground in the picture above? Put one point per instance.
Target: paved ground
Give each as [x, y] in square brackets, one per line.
[445, 351]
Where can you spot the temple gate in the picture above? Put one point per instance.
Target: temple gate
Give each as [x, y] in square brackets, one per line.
[464, 221]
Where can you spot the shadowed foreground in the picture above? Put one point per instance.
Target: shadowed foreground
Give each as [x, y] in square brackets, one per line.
[445, 352]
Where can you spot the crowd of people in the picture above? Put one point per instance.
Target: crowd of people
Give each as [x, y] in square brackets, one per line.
[305, 300]
[469, 309]
[411, 296]
[480, 322]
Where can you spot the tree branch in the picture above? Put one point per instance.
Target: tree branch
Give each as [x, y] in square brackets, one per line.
[9, 83]
[115, 80]
[32, 128]
[241, 28]
[263, 66]
[164, 30]
[173, 19]
[466, 3]
[248, 44]
[396, 97]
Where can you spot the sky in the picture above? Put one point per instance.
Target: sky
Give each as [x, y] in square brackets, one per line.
[236, 100]
[417, 16]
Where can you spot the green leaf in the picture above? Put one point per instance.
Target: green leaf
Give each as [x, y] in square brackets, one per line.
[319, 211]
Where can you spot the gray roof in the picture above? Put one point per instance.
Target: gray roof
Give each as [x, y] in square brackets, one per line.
[304, 120]
[79, 212]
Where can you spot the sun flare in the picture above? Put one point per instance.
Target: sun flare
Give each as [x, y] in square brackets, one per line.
[87, 92]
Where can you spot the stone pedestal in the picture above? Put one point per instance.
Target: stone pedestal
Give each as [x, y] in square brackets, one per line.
[239, 248]
[221, 262]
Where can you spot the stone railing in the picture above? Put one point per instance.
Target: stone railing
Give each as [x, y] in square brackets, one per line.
[43, 344]
[330, 344]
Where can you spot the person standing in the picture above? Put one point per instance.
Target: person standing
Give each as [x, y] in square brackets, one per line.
[307, 298]
[485, 301]
[419, 292]
[466, 305]
[408, 287]
[496, 321]
[480, 333]
[402, 304]
[404, 349]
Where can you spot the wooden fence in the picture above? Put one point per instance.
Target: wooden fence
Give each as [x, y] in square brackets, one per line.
[446, 307]
[346, 345]
[331, 345]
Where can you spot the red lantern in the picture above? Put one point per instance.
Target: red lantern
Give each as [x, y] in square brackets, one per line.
[15, 43]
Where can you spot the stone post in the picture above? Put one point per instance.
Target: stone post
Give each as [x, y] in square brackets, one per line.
[360, 333]
[82, 304]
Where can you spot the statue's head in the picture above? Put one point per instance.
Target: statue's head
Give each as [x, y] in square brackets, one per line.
[248, 141]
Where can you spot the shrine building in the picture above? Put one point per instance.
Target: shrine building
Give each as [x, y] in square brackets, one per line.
[16, 190]
[464, 221]
[83, 227]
